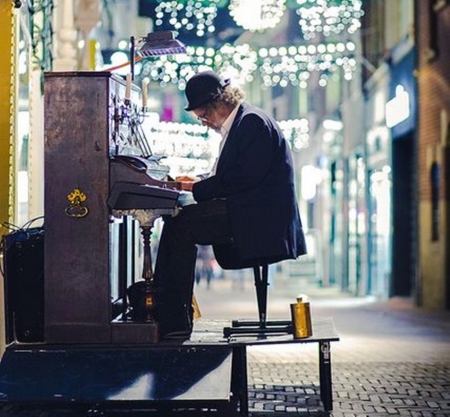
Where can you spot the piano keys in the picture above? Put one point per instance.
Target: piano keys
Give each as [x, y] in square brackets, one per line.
[129, 195]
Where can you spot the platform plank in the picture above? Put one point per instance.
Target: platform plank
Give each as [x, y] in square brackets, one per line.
[131, 374]
[210, 332]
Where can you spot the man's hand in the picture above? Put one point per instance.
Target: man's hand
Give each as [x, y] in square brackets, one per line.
[187, 182]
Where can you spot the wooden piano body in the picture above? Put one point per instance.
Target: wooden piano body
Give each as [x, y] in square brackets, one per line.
[90, 258]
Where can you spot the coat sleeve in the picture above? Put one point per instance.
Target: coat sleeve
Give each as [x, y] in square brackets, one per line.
[245, 161]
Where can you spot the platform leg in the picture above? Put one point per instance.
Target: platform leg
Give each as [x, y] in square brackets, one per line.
[326, 386]
[239, 380]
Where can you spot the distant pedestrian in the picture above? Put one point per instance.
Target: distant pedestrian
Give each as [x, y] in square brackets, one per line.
[204, 268]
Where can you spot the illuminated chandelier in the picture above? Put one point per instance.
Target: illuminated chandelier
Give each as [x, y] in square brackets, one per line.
[257, 15]
[329, 17]
[190, 15]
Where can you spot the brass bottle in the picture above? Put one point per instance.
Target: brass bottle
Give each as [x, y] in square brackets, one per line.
[301, 318]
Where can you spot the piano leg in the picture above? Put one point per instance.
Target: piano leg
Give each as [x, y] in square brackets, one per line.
[142, 293]
[147, 275]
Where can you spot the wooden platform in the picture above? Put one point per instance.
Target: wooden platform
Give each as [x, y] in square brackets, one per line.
[208, 370]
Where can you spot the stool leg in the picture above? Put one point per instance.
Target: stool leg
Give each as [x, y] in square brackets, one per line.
[261, 284]
[261, 327]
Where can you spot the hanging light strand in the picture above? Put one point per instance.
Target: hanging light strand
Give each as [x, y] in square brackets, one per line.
[329, 17]
[191, 15]
[191, 147]
[278, 66]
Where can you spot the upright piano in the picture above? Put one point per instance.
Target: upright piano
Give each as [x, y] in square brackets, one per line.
[98, 169]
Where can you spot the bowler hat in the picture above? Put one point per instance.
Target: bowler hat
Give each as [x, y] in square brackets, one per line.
[202, 87]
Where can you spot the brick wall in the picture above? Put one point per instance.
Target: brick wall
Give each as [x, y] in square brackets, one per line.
[433, 39]
[434, 89]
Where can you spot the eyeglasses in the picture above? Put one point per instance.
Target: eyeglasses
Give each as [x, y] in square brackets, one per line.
[202, 117]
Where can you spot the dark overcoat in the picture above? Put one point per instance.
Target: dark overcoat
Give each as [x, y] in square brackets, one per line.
[255, 174]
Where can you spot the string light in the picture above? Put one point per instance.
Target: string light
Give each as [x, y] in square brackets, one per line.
[283, 66]
[192, 148]
[257, 15]
[329, 17]
[293, 65]
[192, 15]
[238, 62]
[296, 132]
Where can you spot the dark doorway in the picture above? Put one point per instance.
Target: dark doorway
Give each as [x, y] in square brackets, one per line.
[403, 216]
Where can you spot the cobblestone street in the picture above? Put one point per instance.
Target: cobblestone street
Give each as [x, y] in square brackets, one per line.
[381, 389]
[391, 360]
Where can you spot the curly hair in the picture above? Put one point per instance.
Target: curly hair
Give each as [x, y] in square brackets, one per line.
[228, 96]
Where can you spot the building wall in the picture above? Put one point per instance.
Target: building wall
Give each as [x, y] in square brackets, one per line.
[7, 106]
[385, 26]
[433, 31]
[7, 126]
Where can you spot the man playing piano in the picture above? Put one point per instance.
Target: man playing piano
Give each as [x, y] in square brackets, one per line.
[246, 208]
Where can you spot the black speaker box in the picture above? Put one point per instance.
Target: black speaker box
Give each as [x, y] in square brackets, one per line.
[23, 262]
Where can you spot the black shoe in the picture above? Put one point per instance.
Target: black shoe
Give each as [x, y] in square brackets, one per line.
[175, 323]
